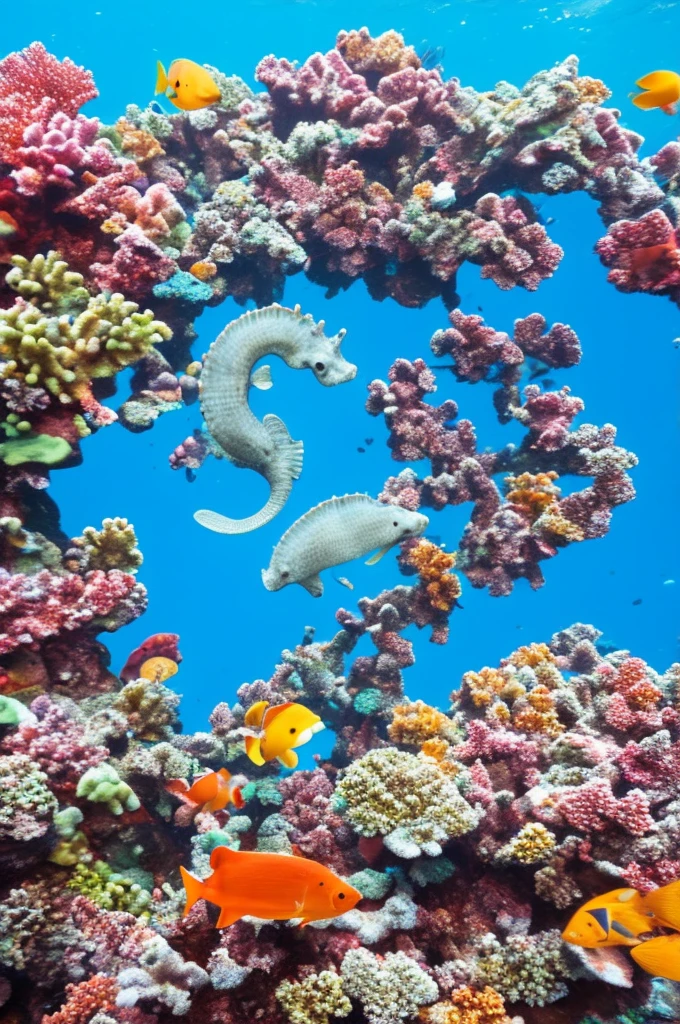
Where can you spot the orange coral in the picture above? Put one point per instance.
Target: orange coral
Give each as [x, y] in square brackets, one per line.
[440, 751]
[592, 90]
[415, 723]
[85, 1000]
[532, 492]
[203, 270]
[532, 656]
[136, 142]
[468, 1006]
[423, 190]
[537, 713]
[484, 686]
[385, 54]
[434, 565]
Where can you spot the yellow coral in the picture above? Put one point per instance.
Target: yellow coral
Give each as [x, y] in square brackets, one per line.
[204, 270]
[468, 1006]
[112, 547]
[553, 521]
[592, 90]
[532, 656]
[385, 54]
[484, 686]
[537, 713]
[417, 722]
[434, 565]
[47, 282]
[143, 146]
[532, 844]
[424, 190]
[315, 999]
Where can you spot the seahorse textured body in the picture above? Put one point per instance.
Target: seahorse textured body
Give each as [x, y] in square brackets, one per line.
[334, 532]
[265, 446]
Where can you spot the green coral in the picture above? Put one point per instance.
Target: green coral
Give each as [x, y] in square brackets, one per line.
[233, 90]
[27, 805]
[62, 352]
[407, 799]
[390, 989]
[369, 702]
[315, 999]
[103, 785]
[112, 547]
[40, 448]
[109, 890]
[13, 711]
[373, 885]
[266, 790]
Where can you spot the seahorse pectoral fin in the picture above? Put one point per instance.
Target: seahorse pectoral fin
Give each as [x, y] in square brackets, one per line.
[289, 452]
[313, 584]
[374, 559]
[262, 378]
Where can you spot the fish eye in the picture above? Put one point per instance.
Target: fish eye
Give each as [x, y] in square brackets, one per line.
[177, 85]
[295, 730]
[320, 883]
[319, 366]
[341, 895]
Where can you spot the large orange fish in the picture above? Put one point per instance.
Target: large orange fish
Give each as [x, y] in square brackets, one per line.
[210, 792]
[276, 730]
[659, 956]
[187, 85]
[620, 917]
[271, 886]
[662, 91]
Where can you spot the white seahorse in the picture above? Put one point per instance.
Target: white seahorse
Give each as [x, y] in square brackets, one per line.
[265, 446]
[334, 532]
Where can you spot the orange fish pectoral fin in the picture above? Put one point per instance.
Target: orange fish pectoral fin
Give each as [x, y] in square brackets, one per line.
[161, 78]
[255, 714]
[288, 759]
[252, 744]
[178, 787]
[222, 856]
[227, 916]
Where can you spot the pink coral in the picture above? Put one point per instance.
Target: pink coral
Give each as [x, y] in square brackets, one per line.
[52, 154]
[137, 265]
[592, 806]
[512, 248]
[643, 255]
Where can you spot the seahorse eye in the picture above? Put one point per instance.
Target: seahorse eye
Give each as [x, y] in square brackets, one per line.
[285, 575]
[395, 524]
[319, 366]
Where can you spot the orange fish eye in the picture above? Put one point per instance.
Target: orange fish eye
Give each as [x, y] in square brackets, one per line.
[341, 895]
[320, 883]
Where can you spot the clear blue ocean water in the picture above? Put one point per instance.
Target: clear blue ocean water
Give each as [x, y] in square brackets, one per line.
[208, 588]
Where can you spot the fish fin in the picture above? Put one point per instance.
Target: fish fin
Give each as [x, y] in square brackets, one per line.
[225, 774]
[665, 904]
[178, 787]
[255, 714]
[313, 585]
[297, 852]
[374, 559]
[303, 923]
[237, 798]
[288, 759]
[227, 917]
[222, 855]
[659, 957]
[621, 929]
[657, 80]
[193, 888]
[262, 378]
[273, 712]
[161, 78]
[253, 750]
[646, 101]
[290, 451]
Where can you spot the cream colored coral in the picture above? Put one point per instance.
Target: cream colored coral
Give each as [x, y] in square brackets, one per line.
[112, 547]
[315, 999]
[390, 989]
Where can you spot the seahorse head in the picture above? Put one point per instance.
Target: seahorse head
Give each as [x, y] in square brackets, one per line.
[322, 356]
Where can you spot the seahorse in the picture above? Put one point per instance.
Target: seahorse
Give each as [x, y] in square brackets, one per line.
[334, 532]
[265, 446]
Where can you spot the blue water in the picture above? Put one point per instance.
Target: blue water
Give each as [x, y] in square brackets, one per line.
[207, 587]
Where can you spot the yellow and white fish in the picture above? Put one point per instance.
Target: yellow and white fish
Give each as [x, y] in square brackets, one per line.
[273, 732]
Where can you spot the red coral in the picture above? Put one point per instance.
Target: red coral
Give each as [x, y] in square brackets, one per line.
[83, 1001]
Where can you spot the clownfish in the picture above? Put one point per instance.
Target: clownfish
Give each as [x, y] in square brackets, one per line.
[158, 669]
[187, 85]
[619, 917]
[662, 91]
[660, 956]
[210, 792]
[270, 886]
[274, 731]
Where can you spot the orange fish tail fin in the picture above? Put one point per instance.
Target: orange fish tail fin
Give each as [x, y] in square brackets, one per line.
[659, 957]
[161, 78]
[253, 750]
[664, 903]
[193, 887]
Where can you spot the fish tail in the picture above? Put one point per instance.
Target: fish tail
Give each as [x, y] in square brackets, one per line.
[193, 887]
[161, 78]
[659, 957]
[664, 903]
[646, 101]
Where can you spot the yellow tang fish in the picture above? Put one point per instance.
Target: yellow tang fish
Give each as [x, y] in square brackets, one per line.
[278, 730]
[662, 91]
[187, 85]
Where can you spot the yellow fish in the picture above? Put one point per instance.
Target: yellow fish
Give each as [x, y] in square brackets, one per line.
[276, 730]
[158, 669]
[660, 956]
[187, 85]
[662, 91]
[618, 918]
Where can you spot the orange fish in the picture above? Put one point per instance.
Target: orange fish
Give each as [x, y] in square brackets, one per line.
[276, 730]
[648, 256]
[8, 225]
[187, 85]
[158, 669]
[271, 886]
[660, 956]
[210, 792]
[662, 91]
[619, 917]
[160, 645]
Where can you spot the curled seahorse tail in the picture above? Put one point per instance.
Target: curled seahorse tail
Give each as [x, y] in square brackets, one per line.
[218, 523]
